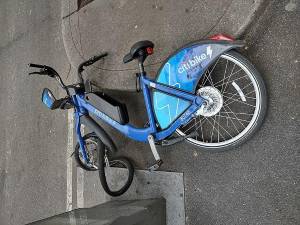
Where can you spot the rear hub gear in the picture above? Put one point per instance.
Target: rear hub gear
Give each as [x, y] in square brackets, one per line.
[213, 101]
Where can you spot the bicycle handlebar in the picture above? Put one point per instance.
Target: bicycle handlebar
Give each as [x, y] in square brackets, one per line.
[88, 63]
[36, 65]
[47, 70]
[94, 59]
[44, 70]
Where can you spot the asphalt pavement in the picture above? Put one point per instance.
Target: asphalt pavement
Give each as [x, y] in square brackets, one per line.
[257, 183]
[114, 26]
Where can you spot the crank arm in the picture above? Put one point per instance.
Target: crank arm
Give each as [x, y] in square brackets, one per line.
[155, 166]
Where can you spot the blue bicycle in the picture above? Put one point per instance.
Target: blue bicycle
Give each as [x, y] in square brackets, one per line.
[206, 92]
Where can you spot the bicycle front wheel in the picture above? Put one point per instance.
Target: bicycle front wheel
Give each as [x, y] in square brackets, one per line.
[235, 104]
[111, 186]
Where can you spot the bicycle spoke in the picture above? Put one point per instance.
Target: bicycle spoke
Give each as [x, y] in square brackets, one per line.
[202, 121]
[222, 90]
[217, 84]
[205, 77]
[228, 93]
[232, 122]
[212, 131]
[222, 128]
[202, 130]
[209, 75]
[219, 128]
[195, 125]
[238, 93]
[234, 100]
[225, 72]
[236, 117]
[241, 113]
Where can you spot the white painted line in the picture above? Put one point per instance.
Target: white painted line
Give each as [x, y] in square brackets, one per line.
[80, 187]
[80, 181]
[70, 149]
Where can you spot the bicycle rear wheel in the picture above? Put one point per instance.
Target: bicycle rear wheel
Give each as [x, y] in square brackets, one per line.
[236, 103]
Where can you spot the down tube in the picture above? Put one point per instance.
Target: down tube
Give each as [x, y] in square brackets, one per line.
[138, 134]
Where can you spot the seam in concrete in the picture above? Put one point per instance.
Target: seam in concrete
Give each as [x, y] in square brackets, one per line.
[80, 188]
[256, 20]
[70, 149]
[258, 10]
[80, 181]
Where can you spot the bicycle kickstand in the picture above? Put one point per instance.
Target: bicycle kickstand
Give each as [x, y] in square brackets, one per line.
[158, 162]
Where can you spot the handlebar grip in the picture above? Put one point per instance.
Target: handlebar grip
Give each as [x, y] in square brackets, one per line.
[97, 57]
[36, 65]
[94, 59]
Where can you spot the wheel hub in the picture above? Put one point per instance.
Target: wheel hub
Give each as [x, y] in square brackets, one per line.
[213, 101]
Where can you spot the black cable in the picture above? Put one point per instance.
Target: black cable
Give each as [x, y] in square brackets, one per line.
[100, 68]
[131, 69]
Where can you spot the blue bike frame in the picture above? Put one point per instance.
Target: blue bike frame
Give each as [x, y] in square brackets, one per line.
[82, 107]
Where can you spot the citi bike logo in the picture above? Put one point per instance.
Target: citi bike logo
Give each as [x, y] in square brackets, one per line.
[191, 63]
[185, 115]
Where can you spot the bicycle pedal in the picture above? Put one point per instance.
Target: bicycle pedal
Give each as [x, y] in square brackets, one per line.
[155, 166]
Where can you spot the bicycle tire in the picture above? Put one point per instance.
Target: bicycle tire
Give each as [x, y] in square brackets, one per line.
[102, 175]
[77, 152]
[259, 118]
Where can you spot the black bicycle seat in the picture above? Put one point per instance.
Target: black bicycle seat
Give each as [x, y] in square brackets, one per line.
[140, 50]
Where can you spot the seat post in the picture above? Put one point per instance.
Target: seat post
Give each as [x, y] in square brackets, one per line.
[141, 67]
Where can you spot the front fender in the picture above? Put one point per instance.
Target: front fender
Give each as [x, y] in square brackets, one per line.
[183, 69]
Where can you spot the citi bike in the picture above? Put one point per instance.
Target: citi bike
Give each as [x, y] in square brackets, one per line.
[206, 92]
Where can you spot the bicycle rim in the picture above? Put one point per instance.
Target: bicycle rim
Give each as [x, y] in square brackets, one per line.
[92, 153]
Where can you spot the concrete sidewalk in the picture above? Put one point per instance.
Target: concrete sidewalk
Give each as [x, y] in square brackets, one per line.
[258, 183]
[114, 26]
